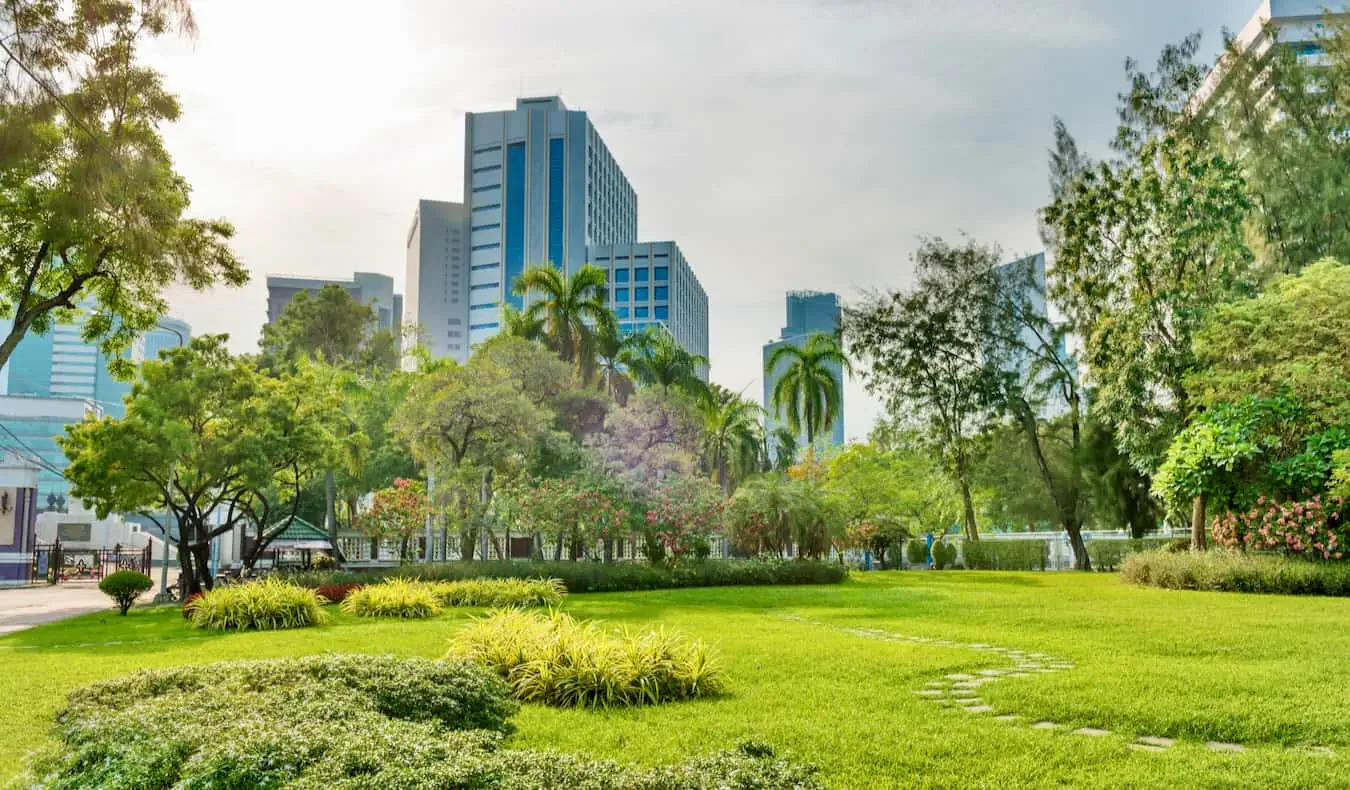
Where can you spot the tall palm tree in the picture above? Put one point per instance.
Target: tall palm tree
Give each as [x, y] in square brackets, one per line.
[731, 436]
[657, 360]
[570, 310]
[807, 395]
[612, 352]
[784, 441]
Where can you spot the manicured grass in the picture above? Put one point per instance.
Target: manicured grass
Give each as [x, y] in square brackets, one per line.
[1269, 672]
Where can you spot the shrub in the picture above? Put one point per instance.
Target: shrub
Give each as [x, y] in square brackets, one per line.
[340, 723]
[1005, 555]
[1106, 554]
[559, 661]
[1309, 528]
[916, 551]
[1177, 545]
[587, 576]
[1229, 571]
[500, 592]
[337, 593]
[393, 598]
[124, 587]
[263, 605]
[944, 554]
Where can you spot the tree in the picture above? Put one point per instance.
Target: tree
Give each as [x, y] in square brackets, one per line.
[1121, 495]
[922, 350]
[772, 511]
[651, 439]
[612, 353]
[681, 515]
[397, 512]
[1146, 248]
[783, 441]
[517, 323]
[808, 395]
[731, 436]
[571, 309]
[330, 326]
[1293, 337]
[655, 359]
[91, 209]
[208, 440]
[464, 422]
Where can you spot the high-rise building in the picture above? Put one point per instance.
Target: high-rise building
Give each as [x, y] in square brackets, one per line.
[651, 284]
[808, 313]
[540, 188]
[437, 297]
[541, 185]
[1298, 24]
[29, 427]
[368, 288]
[171, 333]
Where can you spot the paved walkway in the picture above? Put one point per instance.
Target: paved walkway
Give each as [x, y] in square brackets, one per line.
[25, 607]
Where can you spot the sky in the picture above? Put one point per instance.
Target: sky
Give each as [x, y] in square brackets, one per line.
[784, 144]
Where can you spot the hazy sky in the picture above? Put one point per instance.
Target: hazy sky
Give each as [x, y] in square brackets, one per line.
[784, 144]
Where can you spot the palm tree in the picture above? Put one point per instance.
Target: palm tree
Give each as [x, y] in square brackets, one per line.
[807, 394]
[731, 435]
[784, 442]
[516, 323]
[570, 312]
[612, 351]
[657, 360]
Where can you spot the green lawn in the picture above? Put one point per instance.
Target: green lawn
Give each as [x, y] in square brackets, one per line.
[1272, 673]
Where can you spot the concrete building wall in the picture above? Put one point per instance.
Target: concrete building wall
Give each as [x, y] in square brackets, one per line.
[651, 283]
[438, 278]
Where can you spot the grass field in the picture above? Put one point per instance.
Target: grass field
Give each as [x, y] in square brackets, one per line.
[1270, 673]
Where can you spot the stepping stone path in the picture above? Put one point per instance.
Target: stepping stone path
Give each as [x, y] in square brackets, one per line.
[959, 688]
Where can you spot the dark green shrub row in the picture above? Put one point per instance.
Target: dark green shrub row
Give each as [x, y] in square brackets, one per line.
[583, 577]
[306, 724]
[1227, 571]
[1005, 555]
[1106, 555]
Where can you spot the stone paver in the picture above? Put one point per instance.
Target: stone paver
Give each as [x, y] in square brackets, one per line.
[1153, 741]
[980, 709]
[1007, 717]
[1045, 725]
[1145, 747]
[1091, 732]
[960, 676]
[1221, 746]
[930, 692]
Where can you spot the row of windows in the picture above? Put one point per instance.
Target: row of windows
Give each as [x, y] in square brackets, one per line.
[661, 312]
[482, 306]
[476, 327]
[642, 275]
[486, 287]
[662, 293]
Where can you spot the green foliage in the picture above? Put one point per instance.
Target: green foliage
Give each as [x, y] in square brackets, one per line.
[732, 436]
[1120, 493]
[900, 489]
[655, 437]
[124, 587]
[944, 554]
[655, 359]
[330, 326]
[393, 598]
[1225, 571]
[808, 395]
[1144, 248]
[264, 605]
[91, 209]
[1238, 452]
[1005, 555]
[1293, 338]
[500, 592]
[208, 439]
[584, 577]
[569, 311]
[774, 510]
[916, 551]
[559, 661]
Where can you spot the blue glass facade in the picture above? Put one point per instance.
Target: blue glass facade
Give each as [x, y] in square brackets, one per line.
[652, 285]
[808, 312]
[556, 212]
[515, 218]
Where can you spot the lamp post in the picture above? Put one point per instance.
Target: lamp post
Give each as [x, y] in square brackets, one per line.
[163, 595]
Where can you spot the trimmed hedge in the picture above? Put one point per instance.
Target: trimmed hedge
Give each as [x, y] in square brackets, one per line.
[500, 592]
[1005, 555]
[339, 723]
[1107, 555]
[1228, 571]
[585, 576]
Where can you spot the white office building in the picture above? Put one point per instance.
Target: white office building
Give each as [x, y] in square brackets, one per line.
[651, 284]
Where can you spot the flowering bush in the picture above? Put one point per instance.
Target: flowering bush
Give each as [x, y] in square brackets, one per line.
[1312, 528]
[578, 511]
[681, 516]
[396, 512]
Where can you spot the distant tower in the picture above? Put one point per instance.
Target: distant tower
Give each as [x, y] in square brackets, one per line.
[808, 313]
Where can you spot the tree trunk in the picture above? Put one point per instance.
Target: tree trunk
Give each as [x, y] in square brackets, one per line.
[1198, 524]
[1081, 562]
[330, 508]
[972, 532]
[557, 549]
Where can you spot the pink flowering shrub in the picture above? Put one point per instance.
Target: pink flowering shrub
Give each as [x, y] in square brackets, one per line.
[1313, 528]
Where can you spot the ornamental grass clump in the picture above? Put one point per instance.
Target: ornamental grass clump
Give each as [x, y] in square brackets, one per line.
[500, 592]
[1233, 571]
[263, 606]
[556, 660]
[394, 598]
